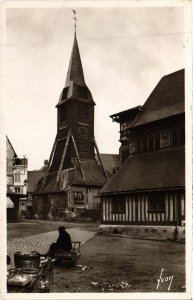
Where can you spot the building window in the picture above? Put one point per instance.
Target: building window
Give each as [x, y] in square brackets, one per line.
[17, 177]
[156, 202]
[78, 198]
[17, 190]
[118, 205]
[83, 110]
[165, 139]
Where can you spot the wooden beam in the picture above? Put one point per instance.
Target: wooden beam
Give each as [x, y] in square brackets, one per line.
[98, 154]
[52, 152]
[50, 161]
[63, 156]
[76, 150]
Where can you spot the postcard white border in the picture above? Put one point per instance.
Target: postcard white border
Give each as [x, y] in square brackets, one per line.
[188, 106]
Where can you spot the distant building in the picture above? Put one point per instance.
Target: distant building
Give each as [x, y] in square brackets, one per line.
[10, 163]
[35, 179]
[146, 197]
[111, 163]
[16, 183]
[74, 177]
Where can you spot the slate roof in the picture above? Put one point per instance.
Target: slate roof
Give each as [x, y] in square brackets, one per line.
[75, 86]
[166, 100]
[75, 71]
[15, 155]
[94, 174]
[94, 177]
[109, 161]
[153, 170]
[125, 115]
[33, 179]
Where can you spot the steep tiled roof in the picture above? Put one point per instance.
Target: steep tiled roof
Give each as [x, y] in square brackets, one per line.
[94, 176]
[109, 161]
[167, 99]
[75, 71]
[33, 179]
[10, 145]
[154, 170]
[75, 86]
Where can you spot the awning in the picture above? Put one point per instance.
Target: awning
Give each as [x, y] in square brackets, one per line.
[10, 204]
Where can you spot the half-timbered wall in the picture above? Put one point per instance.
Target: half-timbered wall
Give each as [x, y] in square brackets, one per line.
[83, 197]
[137, 210]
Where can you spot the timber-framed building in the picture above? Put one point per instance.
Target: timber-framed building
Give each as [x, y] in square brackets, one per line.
[74, 177]
[146, 197]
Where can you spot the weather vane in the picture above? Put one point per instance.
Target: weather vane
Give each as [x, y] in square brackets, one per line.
[75, 19]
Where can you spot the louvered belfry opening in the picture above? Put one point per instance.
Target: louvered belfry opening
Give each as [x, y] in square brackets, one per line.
[83, 110]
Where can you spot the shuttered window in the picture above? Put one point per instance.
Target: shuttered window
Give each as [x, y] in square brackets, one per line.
[83, 110]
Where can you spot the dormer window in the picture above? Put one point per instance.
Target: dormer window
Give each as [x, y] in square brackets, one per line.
[165, 138]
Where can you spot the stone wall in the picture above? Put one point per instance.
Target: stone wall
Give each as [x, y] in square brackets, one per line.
[146, 232]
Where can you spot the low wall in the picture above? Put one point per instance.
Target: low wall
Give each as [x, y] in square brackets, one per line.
[146, 232]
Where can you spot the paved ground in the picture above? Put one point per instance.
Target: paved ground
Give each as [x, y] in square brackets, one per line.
[30, 227]
[40, 242]
[115, 263]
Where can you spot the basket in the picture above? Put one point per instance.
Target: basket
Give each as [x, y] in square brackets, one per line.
[27, 261]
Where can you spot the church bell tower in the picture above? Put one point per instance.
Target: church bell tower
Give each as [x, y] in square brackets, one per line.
[76, 108]
[74, 176]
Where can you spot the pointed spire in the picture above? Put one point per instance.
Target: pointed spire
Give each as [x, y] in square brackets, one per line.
[75, 72]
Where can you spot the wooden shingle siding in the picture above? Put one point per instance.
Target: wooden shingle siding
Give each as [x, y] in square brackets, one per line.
[136, 209]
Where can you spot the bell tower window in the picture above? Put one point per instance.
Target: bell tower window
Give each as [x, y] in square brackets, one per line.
[83, 110]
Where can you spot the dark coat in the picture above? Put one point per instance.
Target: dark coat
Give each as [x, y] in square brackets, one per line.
[64, 241]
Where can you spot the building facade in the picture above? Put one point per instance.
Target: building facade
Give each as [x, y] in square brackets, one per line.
[16, 174]
[74, 177]
[146, 197]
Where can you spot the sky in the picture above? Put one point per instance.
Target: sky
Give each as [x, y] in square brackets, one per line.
[124, 51]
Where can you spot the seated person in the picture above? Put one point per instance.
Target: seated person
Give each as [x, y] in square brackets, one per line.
[63, 242]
